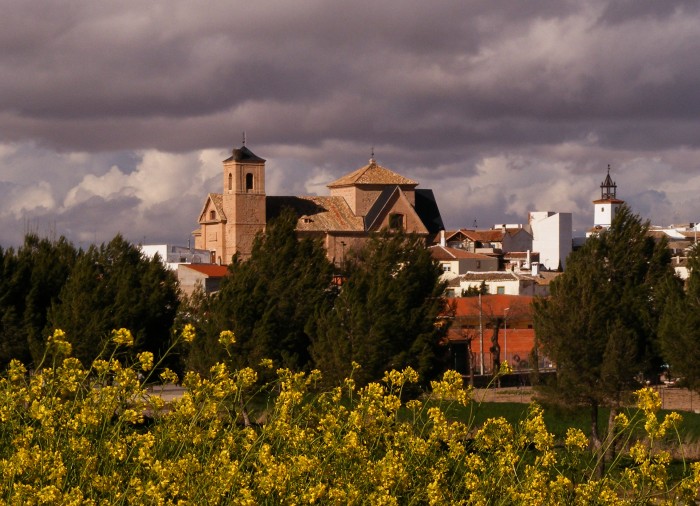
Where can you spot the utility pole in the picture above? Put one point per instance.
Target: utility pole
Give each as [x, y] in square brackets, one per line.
[481, 339]
[505, 334]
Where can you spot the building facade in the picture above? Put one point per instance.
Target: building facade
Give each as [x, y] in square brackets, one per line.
[361, 202]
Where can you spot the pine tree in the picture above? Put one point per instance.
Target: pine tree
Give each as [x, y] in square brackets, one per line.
[680, 326]
[599, 325]
[116, 286]
[31, 281]
[268, 300]
[385, 315]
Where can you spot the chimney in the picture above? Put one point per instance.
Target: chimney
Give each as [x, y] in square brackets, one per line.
[535, 269]
[442, 238]
[527, 262]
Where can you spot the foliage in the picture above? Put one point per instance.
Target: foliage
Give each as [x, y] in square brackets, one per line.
[76, 435]
[680, 326]
[268, 300]
[385, 315]
[116, 285]
[599, 326]
[30, 281]
[475, 291]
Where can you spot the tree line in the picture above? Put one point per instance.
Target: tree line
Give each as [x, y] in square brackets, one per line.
[47, 284]
[288, 303]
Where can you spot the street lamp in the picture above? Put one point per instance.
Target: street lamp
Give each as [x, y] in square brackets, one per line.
[505, 334]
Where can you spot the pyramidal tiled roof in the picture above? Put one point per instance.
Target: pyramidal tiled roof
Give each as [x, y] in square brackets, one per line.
[244, 154]
[372, 173]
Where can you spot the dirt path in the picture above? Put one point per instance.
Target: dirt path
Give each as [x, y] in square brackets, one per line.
[676, 399]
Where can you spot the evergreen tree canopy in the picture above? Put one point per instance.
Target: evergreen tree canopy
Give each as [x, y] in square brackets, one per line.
[599, 325]
[268, 300]
[385, 315]
[680, 326]
[111, 287]
[30, 282]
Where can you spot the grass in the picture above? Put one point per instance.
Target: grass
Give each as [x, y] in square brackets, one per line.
[559, 419]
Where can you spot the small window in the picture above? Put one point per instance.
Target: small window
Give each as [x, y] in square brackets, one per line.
[230, 181]
[396, 221]
[500, 290]
[446, 268]
[212, 215]
[248, 182]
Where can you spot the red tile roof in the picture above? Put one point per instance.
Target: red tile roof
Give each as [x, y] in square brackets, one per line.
[491, 304]
[209, 270]
[447, 253]
[477, 235]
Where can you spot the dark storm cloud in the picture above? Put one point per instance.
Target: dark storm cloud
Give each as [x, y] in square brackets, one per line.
[102, 104]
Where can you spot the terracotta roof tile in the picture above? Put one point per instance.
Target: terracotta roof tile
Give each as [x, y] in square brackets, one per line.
[317, 214]
[210, 270]
[371, 174]
[485, 235]
[218, 200]
[490, 276]
[447, 253]
[520, 305]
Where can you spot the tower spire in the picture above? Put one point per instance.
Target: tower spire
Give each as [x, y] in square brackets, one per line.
[244, 138]
[608, 188]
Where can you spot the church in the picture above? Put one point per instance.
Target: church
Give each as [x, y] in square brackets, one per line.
[360, 203]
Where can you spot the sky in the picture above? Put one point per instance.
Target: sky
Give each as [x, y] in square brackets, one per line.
[115, 116]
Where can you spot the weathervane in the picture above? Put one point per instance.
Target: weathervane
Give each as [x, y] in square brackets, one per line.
[244, 137]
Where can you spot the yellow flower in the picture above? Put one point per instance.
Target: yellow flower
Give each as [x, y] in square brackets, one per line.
[122, 337]
[505, 368]
[576, 439]
[100, 366]
[648, 400]
[227, 338]
[266, 363]
[168, 376]
[16, 370]
[58, 344]
[146, 360]
[188, 333]
[621, 421]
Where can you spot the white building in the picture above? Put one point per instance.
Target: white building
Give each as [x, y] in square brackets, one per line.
[551, 237]
[172, 256]
[456, 261]
[501, 283]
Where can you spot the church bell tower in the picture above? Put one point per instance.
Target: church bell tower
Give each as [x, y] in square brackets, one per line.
[607, 205]
[243, 201]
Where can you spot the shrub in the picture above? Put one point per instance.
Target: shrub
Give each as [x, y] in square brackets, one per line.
[75, 435]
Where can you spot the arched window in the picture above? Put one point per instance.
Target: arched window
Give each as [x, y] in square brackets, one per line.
[230, 181]
[248, 182]
[212, 215]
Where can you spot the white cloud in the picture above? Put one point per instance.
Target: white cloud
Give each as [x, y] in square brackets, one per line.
[26, 198]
